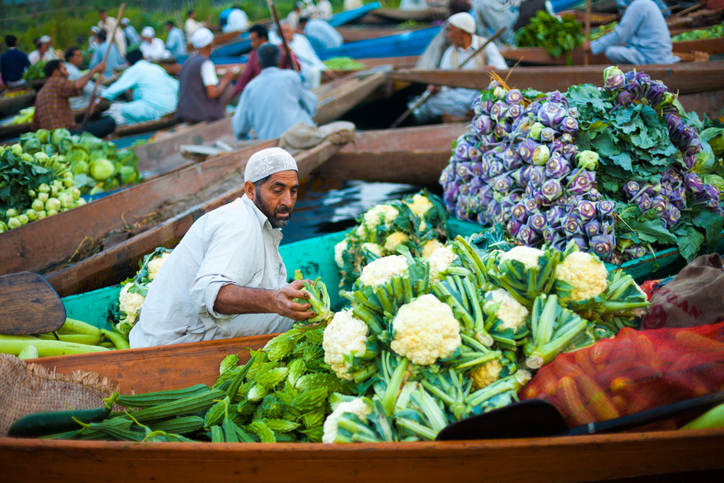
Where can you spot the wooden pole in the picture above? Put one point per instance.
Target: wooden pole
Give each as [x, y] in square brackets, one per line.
[275, 18]
[111, 42]
[588, 29]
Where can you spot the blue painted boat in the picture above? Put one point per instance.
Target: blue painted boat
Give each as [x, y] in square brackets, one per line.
[243, 46]
[222, 60]
[343, 18]
[561, 5]
[400, 45]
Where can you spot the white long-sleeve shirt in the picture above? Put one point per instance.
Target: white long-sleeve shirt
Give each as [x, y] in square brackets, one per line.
[154, 50]
[491, 55]
[232, 245]
[236, 22]
[191, 26]
[81, 101]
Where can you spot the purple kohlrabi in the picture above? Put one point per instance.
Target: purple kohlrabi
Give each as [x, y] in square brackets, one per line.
[587, 210]
[644, 202]
[569, 125]
[570, 151]
[528, 236]
[514, 112]
[557, 167]
[503, 129]
[530, 205]
[601, 245]
[519, 213]
[537, 221]
[475, 154]
[514, 96]
[526, 149]
[483, 125]
[580, 181]
[462, 149]
[513, 227]
[558, 98]
[503, 183]
[694, 183]
[566, 138]
[547, 135]
[573, 112]
[551, 190]
[551, 114]
[592, 228]
[537, 176]
[671, 216]
[511, 160]
[659, 203]
[556, 216]
[631, 189]
[594, 195]
[464, 171]
[499, 111]
[496, 168]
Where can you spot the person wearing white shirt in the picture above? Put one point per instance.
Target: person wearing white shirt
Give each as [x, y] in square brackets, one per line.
[175, 42]
[191, 25]
[152, 48]
[237, 21]
[352, 4]
[413, 5]
[227, 278]
[295, 14]
[73, 63]
[44, 51]
[132, 37]
[107, 23]
[460, 32]
[324, 9]
[319, 33]
[309, 62]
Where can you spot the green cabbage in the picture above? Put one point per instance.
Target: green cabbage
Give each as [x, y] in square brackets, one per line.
[102, 169]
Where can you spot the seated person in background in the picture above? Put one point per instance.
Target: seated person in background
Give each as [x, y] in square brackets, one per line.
[273, 101]
[44, 51]
[352, 4]
[258, 35]
[311, 65]
[73, 63]
[175, 42]
[132, 37]
[324, 9]
[295, 14]
[52, 107]
[319, 33]
[13, 63]
[93, 39]
[152, 48]
[191, 25]
[237, 21]
[456, 101]
[202, 97]
[641, 37]
[155, 93]
[114, 59]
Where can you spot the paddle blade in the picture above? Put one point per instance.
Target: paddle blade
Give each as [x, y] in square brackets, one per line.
[29, 305]
[532, 418]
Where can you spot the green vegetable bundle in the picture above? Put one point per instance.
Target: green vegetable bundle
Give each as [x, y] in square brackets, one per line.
[35, 71]
[558, 36]
[344, 63]
[710, 33]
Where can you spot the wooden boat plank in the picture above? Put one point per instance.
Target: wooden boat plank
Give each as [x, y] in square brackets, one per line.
[341, 98]
[710, 46]
[142, 127]
[395, 14]
[10, 104]
[709, 103]
[688, 78]
[351, 34]
[117, 263]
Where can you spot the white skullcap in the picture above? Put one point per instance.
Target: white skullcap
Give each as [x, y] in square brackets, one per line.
[125, 21]
[44, 39]
[148, 32]
[201, 38]
[267, 162]
[464, 21]
[95, 29]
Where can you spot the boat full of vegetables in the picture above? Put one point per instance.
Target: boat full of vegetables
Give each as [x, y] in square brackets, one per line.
[615, 169]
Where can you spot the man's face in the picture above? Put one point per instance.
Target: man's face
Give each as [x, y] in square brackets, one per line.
[288, 32]
[169, 27]
[456, 36]
[76, 59]
[44, 47]
[276, 197]
[192, 15]
[255, 40]
[62, 71]
[104, 16]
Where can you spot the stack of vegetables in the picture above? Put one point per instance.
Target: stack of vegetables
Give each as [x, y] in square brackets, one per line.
[48, 172]
[558, 35]
[35, 71]
[710, 33]
[528, 163]
[417, 222]
[344, 63]
[26, 115]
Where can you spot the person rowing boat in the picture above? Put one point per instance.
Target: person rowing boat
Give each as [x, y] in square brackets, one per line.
[226, 278]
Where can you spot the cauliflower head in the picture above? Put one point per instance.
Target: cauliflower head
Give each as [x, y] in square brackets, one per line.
[130, 303]
[486, 374]
[395, 240]
[356, 406]
[373, 248]
[420, 205]
[339, 250]
[425, 330]
[440, 260]
[429, 247]
[381, 271]
[380, 213]
[155, 265]
[511, 312]
[585, 273]
[528, 256]
[344, 334]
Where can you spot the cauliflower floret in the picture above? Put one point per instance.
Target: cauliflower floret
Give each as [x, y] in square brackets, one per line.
[420, 205]
[360, 231]
[344, 334]
[339, 250]
[373, 248]
[130, 303]
[486, 374]
[425, 330]
[383, 269]
[423, 225]
[155, 265]
[585, 273]
[440, 260]
[511, 312]
[356, 406]
[395, 240]
[375, 214]
[528, 256]
[429, 247]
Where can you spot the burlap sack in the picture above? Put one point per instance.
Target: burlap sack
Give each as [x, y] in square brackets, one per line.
[695, 297]
[30, 388]
[301, 137]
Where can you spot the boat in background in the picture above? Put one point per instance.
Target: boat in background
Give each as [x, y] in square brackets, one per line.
[403, 44]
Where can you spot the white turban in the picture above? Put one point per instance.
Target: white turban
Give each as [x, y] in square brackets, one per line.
[44, 39]
[267, 162]
[148, 32]
[95, 29]
[201, 38]
[464, 21]
[125, 21]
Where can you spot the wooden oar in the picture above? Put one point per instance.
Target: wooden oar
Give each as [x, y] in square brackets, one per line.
[275, 17]
[29, 305]
[105, 58]
[536, 418]
[588, 29]
[423, 98]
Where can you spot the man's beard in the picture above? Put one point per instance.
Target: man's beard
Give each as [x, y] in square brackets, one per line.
[274, 220]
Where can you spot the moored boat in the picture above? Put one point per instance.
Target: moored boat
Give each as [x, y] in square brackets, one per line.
[398, 15]
[402, 44]
[11, 104]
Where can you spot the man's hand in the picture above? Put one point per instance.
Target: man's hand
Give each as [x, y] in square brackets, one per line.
[284, 301]
[433, 89]
[100, 68]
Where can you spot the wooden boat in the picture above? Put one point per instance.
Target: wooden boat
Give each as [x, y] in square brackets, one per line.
[354, 34]
[688, 78]
[351, 16]
[141, 127]
[9, 105]
[220, 38]
[397, 15]
[410, 43]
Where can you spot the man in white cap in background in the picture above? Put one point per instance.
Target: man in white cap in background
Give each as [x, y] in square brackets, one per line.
[202, 96]
[93, 39]
[460, 32]
[152, 48]
[132, 37]
[309, 61]
[44, 51]
[107, 23]
[226, 278]
[273, 101]
[237, 20]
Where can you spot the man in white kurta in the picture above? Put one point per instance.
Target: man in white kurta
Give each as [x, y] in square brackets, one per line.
[310, 63]
[237, 21]
[226, 278]
[324, 10]
[152, 47]
[457, 101]
[155, 93]
[191, 25]
[108, 23]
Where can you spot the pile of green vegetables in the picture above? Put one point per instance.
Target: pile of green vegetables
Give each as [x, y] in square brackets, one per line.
[710, 33]
[48, 172]
[344, 63]
[26, 115]
[35, 71]
[559, 36]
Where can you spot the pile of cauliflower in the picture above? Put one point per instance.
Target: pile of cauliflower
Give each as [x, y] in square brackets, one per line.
[133, 292]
